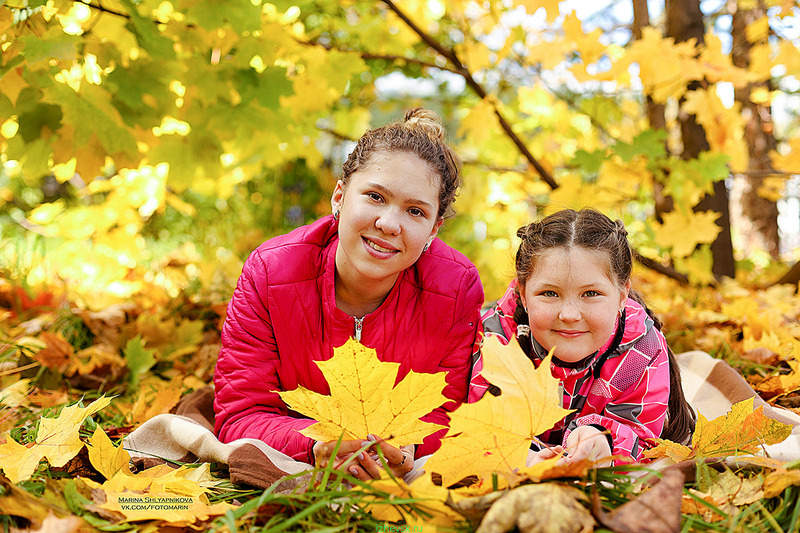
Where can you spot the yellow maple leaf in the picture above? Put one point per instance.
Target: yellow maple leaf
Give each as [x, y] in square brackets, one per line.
[58, 439]
[494, 434]
[105, 457]
[431, 500]
[682, 231]
[739, 432]
[788, 161]
[550, 6]
[18, 461]
[364, 399]
[15, 394]
[724, 126]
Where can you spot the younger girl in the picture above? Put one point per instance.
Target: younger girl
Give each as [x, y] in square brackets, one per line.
[572, 293]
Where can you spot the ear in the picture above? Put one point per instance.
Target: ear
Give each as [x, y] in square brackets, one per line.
[435, 229]
[521, 290]
[623, 294]
[337, 198]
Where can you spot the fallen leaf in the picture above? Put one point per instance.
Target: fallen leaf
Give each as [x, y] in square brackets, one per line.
[57, 352]
[494, 434]
[432, 501]
[105, 457]
[155, 397]
[658, 510]
[777, 481]
[741, 431]
[364, 399]
[727, 487]
[58, 439]
[18, 462]
[15, 394]
[548, 507]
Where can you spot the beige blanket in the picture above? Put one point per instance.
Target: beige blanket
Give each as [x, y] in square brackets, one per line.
[711, 387]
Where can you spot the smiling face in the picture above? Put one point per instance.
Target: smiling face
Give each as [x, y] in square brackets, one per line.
[572, 302]
[388, 211]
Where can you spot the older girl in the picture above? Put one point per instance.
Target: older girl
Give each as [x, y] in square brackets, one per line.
[573, 294]
[373, 270]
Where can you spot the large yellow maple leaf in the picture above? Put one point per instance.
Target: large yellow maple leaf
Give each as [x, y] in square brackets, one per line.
[57, 440]
[494, 434]
[364, 399]
[739, 432]
[672, 233]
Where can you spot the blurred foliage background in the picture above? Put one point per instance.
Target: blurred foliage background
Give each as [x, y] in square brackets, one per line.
[148, 146]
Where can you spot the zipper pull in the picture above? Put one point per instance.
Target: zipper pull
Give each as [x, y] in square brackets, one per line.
[358, 326]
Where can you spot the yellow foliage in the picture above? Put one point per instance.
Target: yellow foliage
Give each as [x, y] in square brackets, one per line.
[494, 434]
[364, 399]
[717, 65]
[105, 457]
[673, 232]
[788, 161]
[742, 431]
[724, 127]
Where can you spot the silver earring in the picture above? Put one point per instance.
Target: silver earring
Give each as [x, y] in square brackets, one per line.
[336, 215]
[427, 245]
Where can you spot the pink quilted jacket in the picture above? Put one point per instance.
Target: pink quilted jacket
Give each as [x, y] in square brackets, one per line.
[283, 317]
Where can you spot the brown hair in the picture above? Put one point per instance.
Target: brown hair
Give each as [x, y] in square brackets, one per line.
[593, 230]
[421, 133]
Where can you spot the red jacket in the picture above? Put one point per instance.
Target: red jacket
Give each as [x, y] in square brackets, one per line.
[283, 317]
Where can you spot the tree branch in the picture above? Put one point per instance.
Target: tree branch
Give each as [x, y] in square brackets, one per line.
[464, 72]
[670, 272]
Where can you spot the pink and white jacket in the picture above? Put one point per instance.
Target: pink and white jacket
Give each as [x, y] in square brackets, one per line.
[283, 317]
[622, 388]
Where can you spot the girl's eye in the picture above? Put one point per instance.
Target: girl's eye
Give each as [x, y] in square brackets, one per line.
[375, 196]
[591, 293]
[548, 294]
[416, 212]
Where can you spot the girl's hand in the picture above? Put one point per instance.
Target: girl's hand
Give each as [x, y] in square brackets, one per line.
[367, 464]
[541, 455]
[587, 442]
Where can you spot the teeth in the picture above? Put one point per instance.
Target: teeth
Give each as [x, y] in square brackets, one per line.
[379, 248]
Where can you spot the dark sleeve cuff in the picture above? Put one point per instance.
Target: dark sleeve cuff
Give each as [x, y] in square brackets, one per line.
[607, 433]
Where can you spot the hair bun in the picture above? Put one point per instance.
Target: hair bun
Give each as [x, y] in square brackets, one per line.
[425, 119]
[619, 227]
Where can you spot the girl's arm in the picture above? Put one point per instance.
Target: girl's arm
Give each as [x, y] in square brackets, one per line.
[246, 376]
[634, 417]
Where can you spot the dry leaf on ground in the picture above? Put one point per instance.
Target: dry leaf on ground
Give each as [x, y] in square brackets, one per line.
[658, 510]
[545, 508]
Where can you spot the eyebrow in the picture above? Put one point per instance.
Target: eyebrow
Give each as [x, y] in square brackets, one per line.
[387, 192]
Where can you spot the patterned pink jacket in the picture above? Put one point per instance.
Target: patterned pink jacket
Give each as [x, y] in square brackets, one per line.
[622, 388]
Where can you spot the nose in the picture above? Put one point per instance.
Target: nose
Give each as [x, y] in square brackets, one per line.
[569, 312]
[389, 222]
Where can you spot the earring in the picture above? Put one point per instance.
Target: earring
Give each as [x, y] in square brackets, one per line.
[523, 330]
[427, 245]
[336, 215]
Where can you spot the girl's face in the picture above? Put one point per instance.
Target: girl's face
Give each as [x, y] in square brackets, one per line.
[572, 302]
[388, 211]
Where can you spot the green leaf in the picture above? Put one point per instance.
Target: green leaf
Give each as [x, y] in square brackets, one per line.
[42, 115]
[273, 85]
[242, 15]
[649, 143]
[589, 162]
[147, 34]
[54, 44]
[138, 358]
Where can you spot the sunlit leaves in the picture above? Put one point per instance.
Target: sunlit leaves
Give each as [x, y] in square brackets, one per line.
[364, 399]
[673, 232]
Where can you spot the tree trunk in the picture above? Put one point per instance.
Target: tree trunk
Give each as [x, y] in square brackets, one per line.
[655, 111]
[760, 215]
[685, 21]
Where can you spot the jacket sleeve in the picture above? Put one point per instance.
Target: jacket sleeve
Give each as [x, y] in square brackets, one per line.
[457, 360]
[246, 376]
[634, 417]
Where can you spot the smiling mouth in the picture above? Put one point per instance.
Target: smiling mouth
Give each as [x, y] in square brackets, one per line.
[564, 333]
[378, 247]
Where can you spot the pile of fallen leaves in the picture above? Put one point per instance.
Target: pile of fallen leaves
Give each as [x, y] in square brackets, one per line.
[74, 382]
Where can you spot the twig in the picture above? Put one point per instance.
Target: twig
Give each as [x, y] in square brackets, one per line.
[670, 272]
[464, 72]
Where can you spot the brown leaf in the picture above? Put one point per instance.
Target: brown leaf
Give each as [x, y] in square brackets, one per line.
[544, 508]
[57, 353]
[107, 324]
[656, 511]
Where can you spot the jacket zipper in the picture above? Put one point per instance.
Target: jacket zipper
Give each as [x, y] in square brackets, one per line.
[358, 325]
